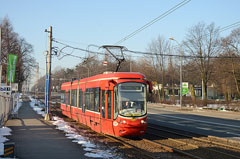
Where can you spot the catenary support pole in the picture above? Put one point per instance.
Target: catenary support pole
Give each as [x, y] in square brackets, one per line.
[36, 84]
[180, 56]
[47, 116]
[0, 57]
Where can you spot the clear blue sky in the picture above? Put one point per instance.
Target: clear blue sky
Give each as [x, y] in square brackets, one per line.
[108, 21]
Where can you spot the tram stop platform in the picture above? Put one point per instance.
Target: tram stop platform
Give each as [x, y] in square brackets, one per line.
[36, 138]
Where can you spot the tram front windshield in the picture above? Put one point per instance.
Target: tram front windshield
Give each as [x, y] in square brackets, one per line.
[132, 99]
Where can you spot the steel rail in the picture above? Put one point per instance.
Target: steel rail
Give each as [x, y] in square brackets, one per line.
[193, 138]
[202, 140]
[118, 139]
[172, 149]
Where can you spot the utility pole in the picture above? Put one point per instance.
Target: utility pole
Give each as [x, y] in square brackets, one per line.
[180, 55]
[36, 85]
[180, 76]
[130, 64]
[0, 57]
[48, 75]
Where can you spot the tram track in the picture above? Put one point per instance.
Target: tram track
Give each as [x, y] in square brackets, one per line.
[171, 145]
[131, 147]
[152, 150]
[197, 145]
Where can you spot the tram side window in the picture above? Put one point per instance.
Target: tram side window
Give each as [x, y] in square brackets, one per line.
[68, 102]
[92, 99]
[63, 96]
[109, 105]
[96, 99]
[73, 98]
[80, 98]
[103, 103]
[89, 98]
[115, 105]
[67, 97]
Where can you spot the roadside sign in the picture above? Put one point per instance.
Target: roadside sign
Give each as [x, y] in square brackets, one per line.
[6, 89]
[105, 63]
[185, 88]
[14, 87]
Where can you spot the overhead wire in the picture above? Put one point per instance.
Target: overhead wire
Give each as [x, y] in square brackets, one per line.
[229, 26]
[77, 48]
[146, 53]
[153, 21]
[172, 55]
[68, 41]
[67, 54]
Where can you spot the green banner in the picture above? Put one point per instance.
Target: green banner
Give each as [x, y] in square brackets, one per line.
[12, 62]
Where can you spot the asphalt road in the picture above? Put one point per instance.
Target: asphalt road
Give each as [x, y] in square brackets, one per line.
[207, 122]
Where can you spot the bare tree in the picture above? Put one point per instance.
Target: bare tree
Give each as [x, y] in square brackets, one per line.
[231, 46]
[159, 48]
[171, 72]
[203, 41]
[12, 44]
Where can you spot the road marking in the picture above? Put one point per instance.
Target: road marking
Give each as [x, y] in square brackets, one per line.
[233, 133]
[199, 121]
[204, 128]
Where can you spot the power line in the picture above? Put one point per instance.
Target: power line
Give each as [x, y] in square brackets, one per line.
[153, 21]
[76, 48]
[67, 54]
[150, 54]
[172, 55]
[74, 42]
[144, 53]
[229, 26]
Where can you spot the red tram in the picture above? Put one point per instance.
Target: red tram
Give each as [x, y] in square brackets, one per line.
[110, 103]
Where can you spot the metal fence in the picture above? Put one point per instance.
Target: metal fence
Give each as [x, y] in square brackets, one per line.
[7, 105]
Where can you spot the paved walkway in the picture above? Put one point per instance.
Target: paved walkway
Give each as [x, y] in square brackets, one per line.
[36, 139]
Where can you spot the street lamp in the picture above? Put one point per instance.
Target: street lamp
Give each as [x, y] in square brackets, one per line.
[89, 56]
[180, 55]
[90, 46]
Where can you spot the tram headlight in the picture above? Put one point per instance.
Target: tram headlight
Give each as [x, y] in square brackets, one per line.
[143, 122]
[123, 122]
[115, 123]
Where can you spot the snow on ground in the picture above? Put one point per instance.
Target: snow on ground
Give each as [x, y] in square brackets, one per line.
[38, 110]
[5, 131]
[92, 150]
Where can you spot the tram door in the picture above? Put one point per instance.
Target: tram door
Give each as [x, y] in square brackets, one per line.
[80, 105]
[97, 95]
[68, 106]
[106, 115]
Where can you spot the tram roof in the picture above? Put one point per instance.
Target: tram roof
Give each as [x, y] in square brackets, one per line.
[111, 75]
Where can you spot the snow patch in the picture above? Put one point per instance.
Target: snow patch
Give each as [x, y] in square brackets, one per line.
[4, 131]
[91, 149]
[37, 109]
